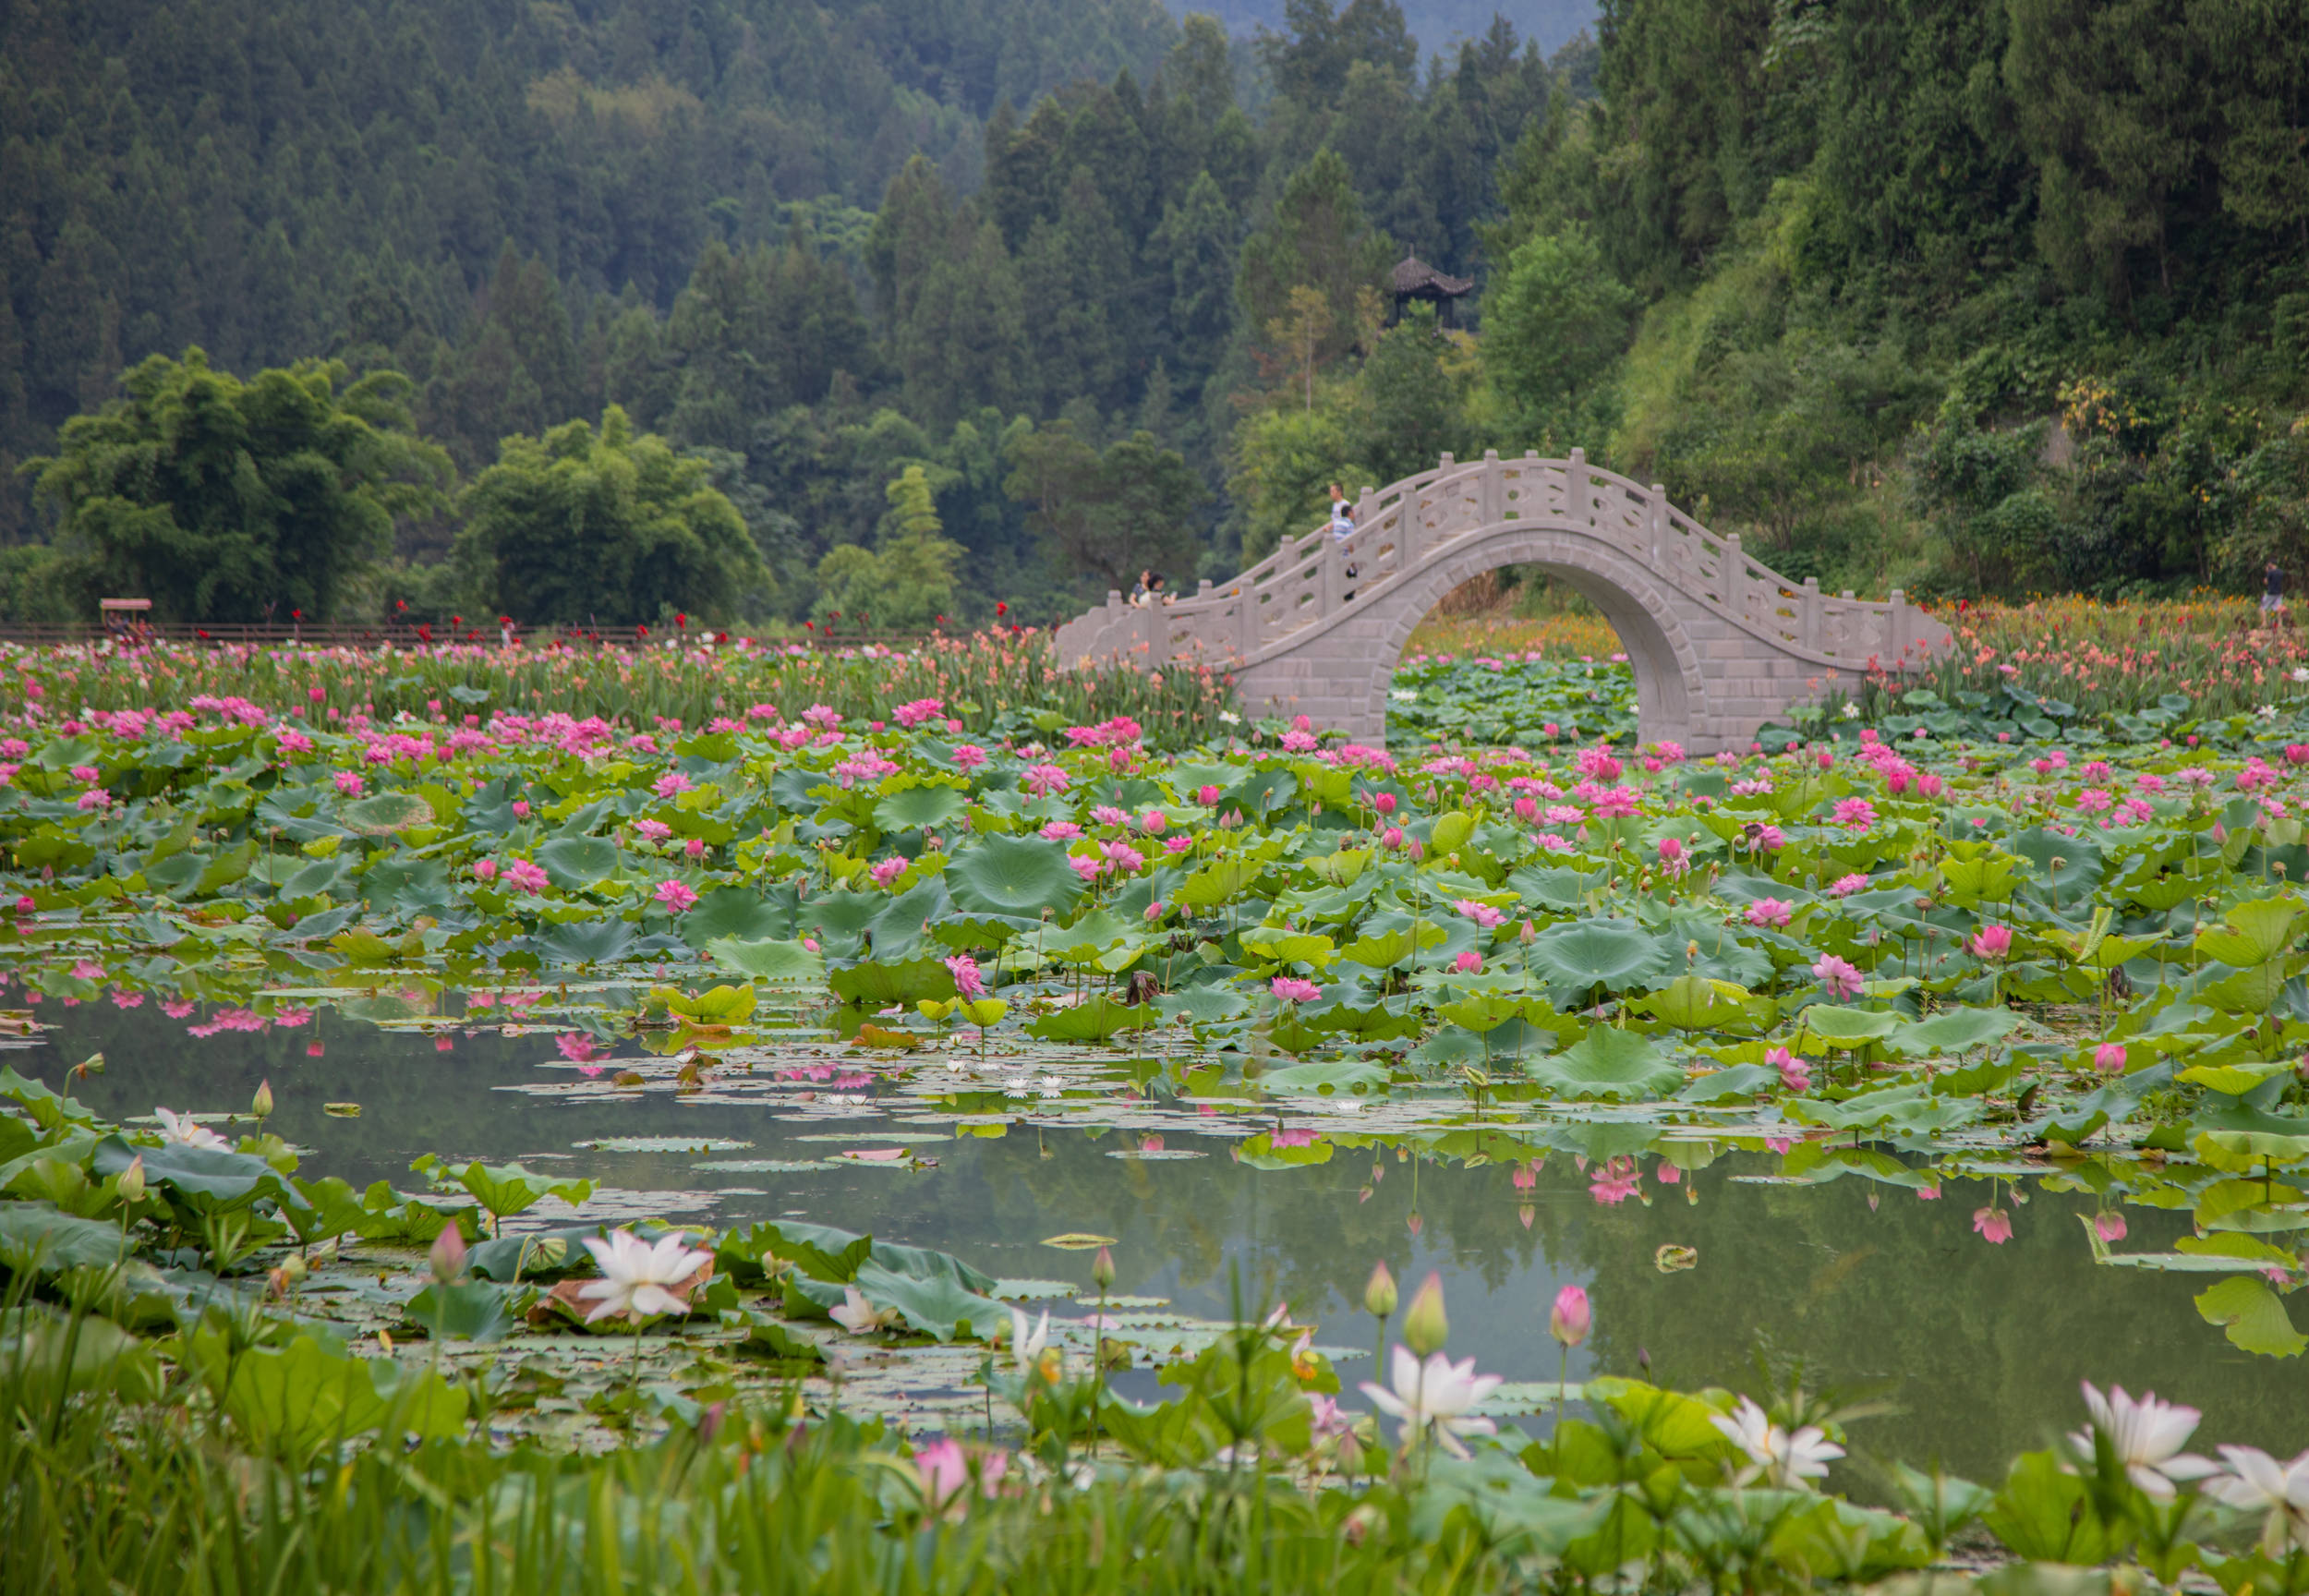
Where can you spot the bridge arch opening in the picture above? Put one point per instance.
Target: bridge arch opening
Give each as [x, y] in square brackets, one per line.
[1665, 662]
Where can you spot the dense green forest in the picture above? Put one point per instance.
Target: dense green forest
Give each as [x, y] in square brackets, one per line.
[938, 306]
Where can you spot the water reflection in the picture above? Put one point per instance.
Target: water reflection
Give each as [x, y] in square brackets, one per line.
[1983, 1345]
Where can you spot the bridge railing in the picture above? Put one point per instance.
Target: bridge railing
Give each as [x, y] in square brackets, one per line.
[1401, 527]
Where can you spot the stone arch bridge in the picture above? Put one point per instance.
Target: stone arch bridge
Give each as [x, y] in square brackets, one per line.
[1718, 643]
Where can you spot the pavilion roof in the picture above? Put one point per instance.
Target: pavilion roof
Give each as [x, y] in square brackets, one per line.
[1413, 275]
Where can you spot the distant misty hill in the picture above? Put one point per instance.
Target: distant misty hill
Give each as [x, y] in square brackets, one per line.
[1437, 24]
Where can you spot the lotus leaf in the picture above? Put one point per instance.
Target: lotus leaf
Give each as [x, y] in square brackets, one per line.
[2254, 1316]
[382, 814]
[775, 964]
[1013, 876]
[1581, 955]
[573, 862]
[1608, 1062]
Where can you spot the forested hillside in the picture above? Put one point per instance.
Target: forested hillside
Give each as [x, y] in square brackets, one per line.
[1004, 300]
[1000, 241]
[1972, 294]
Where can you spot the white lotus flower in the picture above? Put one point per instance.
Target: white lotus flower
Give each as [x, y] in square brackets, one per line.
[1786, 1461]
[1437, 1392]
[2146, 1435]
[2255, 1479]
[637, 1276]
[859, 1316]
[2300, 673]
[1026, 1348]
[179, 1130]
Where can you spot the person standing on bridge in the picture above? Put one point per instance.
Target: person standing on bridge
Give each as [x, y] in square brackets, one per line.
[2273, 595]
[1342, 528]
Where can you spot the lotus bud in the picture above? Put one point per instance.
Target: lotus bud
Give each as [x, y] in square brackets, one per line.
[1570, 1319]
[262, 1104]
[294, 1269]
[1379, 1292]
[132, 1181]
[1425, 1329]
[1103, 1269]
[448, 1254]
[1528, 934]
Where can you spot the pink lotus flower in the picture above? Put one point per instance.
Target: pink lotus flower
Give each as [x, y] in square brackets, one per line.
[1795, 1073]
[677, 896]
[1291, 989]
[888, 870]
[1571, 1318]
[1206, 796]
[1994, 1224]
[1469, 962]
[947, 1470]
[2109, 1058]
[2109, 1227]
[1993, 942]
[1392, 837]
[1845, 886]
[1616, 1180]
[969, 755]
[1770, 912]
[1856, 814]
[1484, 915]
[1044, 780]
[967, 980]
[349, 784]
[653, 830]
[576, 1046]
[523, 876]
[671, 784]
[1842, 980]
[485, 870]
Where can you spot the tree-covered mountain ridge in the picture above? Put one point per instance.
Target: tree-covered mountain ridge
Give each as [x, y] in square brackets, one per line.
[1049, 310]
[1958, 296]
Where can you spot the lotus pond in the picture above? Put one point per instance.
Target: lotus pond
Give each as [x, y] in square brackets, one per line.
[683, 1099]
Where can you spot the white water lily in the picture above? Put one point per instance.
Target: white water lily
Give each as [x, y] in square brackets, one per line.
[1786, 1462]
[637, 1276]
[179, 1130]
[2146, 1435]
[1437, 1392]
[1025, 1347]
[859, 1316]
[2256, 1480]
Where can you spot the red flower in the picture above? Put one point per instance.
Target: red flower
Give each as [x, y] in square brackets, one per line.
[1001, 608]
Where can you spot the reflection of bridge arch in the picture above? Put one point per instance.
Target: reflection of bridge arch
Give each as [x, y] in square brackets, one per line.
[1719, 643]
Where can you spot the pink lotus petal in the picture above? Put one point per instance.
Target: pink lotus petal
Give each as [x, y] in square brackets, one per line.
[877, 1154]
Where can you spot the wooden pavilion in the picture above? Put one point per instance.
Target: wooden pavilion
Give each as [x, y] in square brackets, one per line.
[1415, 279]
